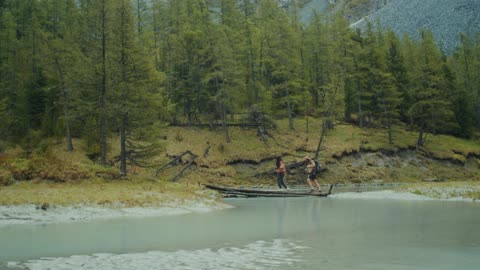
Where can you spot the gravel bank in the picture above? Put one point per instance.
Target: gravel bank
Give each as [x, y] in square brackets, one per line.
[32, 214]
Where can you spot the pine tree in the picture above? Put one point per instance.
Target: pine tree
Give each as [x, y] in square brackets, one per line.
[8, 70]
[96, 45]
[61, 58]
[396, 66]
[466, 63]
[134, 82]
[429, 109]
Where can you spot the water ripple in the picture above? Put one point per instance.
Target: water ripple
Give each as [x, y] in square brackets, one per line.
[258, 255]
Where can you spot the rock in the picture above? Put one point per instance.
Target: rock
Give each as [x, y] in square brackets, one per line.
[371, 162]
[434, 179]
[44, 206]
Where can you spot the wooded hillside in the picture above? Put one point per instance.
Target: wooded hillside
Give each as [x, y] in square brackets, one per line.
[96, 69]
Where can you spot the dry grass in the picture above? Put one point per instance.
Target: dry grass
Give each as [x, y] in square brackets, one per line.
[98, 192]
[58, 165]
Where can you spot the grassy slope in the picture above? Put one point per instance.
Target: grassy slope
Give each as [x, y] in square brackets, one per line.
[88, 182]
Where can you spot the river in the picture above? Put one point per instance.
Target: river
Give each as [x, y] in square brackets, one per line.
[263, 233]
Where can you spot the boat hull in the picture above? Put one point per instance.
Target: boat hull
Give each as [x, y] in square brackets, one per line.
[243, 192]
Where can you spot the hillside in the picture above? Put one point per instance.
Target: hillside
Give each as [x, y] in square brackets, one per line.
[445, 18]
[121, 101]
[349, 155]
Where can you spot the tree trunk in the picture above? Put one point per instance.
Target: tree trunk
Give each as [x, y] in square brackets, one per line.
[306, 115]
[322, 135]
[420, 137]
[252, 67]
[317, 81]
[289, 111]
[139, 26]
[103, 122]
[359, 97]
[224, 119]
[67, 120]
[388, 122]
[390, 138]
[123, 148]
[155, 40]
[66, 103]
[123, 124]
[325, 121]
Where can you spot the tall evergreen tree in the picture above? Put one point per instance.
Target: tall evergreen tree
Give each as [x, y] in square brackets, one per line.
[61, 59]
[429, 109]
[134, 81]
[96, 46]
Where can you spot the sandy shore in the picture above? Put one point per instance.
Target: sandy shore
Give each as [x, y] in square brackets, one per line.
[413, 195]
[31, 214]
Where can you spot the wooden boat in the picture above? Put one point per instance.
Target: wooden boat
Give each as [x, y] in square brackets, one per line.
[244, 192]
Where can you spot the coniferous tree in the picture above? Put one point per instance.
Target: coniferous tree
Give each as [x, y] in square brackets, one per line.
[466, 63]
[134, 82]
[61, 58]
[8, 75]
[397, 68]
[96, 46]
[430, 109]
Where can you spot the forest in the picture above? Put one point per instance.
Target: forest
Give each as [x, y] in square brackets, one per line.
[97, 69]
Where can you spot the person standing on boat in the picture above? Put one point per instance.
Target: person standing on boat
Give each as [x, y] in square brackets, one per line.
[281, 171]
[312, 173]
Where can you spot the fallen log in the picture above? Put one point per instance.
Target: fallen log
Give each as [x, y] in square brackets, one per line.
[189, 163]
[173, 162]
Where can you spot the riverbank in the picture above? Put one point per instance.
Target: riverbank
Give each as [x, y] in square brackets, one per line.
[447, 191]
[33, 214]
[46, 203]
[198, 155]
[42, 203]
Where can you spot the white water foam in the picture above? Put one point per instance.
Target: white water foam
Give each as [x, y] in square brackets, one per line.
[257, 255]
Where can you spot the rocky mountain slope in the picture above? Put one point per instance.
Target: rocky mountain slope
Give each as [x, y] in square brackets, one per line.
[445, 18]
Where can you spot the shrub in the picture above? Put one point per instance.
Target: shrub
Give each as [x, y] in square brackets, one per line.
[93, 151]
[221, 148]
[178, 137]
[6, 178]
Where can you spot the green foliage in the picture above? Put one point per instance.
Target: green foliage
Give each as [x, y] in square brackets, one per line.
[93, 151]
[255, 116]
[98, 69]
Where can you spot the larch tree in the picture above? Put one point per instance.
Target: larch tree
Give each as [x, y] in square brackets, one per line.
[134, 82]
[61, 59]
[429, 109]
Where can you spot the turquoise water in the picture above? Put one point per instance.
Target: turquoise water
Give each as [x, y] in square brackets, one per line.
[264, 233]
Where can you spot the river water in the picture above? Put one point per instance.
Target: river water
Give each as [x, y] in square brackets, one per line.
[263, 233]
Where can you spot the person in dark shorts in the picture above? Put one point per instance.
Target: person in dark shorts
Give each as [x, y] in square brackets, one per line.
[311, 171]
[281, 171]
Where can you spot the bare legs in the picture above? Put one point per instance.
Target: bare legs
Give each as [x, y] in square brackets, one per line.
[316, 183]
